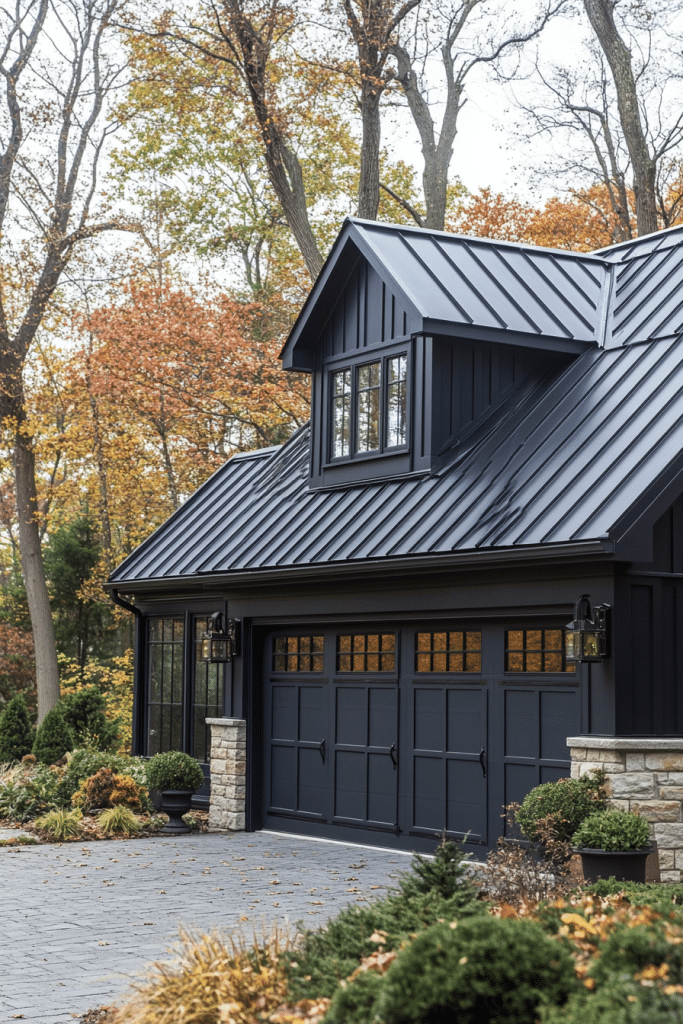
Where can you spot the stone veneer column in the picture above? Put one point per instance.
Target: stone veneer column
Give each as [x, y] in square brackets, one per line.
[643, 775]
[228, 767]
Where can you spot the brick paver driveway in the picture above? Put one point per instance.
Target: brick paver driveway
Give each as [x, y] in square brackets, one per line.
[79, 921]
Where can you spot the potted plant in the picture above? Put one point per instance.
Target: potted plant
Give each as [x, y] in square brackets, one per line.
[176, 776]
[614, 843]
[551, 813]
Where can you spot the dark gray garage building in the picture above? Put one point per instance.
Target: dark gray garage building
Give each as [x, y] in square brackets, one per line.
[496, 430]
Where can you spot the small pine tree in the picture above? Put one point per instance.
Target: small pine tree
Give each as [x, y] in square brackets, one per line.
[54, 738]
[446, 873]
[16, 733]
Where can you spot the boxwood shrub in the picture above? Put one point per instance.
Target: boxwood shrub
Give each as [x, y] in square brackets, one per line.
[614, 831]
[569, 801]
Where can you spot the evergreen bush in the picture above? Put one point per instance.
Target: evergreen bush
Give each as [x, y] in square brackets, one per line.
[488, 969]
[444, 874]
[614, 831]
[173, 770]
[355, 1002]
[84, 714]
[84, 763]
[568, 801]
[54, 738]
[16, 732]
[623, 1001]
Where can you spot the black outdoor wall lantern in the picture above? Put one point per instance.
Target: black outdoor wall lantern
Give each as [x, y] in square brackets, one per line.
[586, 637]
[219, 644]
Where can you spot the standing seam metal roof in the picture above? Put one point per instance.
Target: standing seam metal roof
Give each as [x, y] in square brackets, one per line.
[520, 478]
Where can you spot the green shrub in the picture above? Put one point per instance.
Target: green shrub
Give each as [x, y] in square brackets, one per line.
[84, 714]
[330, 954]
[61, 824]
[29, 792]
[84, 763]
[664, 896]
[613, 830]
[173, 770]
[16, 732]
[624, 1001]
[569, 801]
[54, 738]
[629, 950]
[119, 820]
[491, 969]
[355, 1002]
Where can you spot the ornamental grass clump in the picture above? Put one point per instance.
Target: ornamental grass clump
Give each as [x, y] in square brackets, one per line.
[61, 824]
[119, 820]
[614, 831]
[217, 980]
[566, 803]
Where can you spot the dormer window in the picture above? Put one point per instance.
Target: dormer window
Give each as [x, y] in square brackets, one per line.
[370, 407]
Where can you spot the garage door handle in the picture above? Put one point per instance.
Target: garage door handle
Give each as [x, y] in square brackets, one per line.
[481, 761]
[392, 748]
[322, 750]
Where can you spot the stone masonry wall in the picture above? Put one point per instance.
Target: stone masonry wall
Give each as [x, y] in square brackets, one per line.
[643, 775]
[228, 767]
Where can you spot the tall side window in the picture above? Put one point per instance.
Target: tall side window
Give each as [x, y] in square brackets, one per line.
[369, 407]
[165, 638]
[207, 699]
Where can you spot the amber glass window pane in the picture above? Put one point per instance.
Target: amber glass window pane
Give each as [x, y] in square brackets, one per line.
[372, 652]
[456, 651]
[535, 650]
[299, 656]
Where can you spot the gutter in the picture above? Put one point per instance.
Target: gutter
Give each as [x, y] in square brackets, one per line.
[603, 548]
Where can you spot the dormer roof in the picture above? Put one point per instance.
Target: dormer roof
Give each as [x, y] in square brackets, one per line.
[462, 287]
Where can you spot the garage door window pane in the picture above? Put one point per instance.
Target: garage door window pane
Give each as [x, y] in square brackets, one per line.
[535, 650]
[298, 653]
[366, 652]
[453, 651]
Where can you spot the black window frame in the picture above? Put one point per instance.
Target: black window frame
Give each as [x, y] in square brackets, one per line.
[353, 366]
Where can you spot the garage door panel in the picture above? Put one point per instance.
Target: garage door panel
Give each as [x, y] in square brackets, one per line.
[559, 719]
[283, 777]
[312, 713]
[466, 802]
[312, 782]
[350, 785]
[351, 717]
[382, 716]
[466, 720]
[284, 717]
[521, 723]
[381, 801]
[429, 724]
[428, 793]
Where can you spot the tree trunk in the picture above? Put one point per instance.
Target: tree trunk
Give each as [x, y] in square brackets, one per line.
[47, 673]
[601, 16]
[368, 186]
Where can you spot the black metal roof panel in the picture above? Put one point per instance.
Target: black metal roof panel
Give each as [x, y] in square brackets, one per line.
[453, 283]
[563, 468]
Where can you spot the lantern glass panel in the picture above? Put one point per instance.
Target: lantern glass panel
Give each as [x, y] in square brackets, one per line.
[591, 645]
[571, 645]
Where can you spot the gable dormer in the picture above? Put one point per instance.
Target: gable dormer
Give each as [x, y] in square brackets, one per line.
[414, 337]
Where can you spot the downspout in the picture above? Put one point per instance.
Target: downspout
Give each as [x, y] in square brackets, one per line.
[138, 670]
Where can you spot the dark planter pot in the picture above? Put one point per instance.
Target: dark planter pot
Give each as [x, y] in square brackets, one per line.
[176, 803]
[624, 865]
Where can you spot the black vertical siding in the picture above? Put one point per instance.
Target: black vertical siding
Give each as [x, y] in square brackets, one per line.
[366, 314]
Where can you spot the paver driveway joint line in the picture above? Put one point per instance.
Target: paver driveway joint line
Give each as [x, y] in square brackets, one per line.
[69, 942]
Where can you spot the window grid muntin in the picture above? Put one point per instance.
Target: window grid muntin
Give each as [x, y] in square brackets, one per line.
[536, 650]
[448, 651]
[341, 413]
[165, 652]
[296, 653]
[397, 401]
[390, 437]
[366, 652]
[368, 406]
[207, 696]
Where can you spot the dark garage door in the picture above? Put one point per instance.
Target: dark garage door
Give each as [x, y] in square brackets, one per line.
[393, 737]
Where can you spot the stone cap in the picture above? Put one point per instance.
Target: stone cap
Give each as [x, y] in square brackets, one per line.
[626, 743]
[225, 721]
